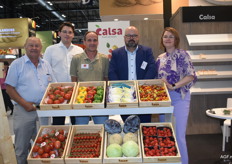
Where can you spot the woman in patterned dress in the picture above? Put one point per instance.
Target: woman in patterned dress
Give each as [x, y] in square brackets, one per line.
[176, 70]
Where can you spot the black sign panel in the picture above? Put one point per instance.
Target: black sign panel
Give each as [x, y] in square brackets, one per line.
[207, 14]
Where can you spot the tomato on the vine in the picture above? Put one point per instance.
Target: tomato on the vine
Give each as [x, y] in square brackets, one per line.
[50, 101]
[57, 144]
[35, 148]
[56, 102]
[67, 96]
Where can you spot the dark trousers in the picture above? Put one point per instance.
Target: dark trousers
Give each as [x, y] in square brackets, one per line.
[7, 101]
[61, 120]
[145, 118]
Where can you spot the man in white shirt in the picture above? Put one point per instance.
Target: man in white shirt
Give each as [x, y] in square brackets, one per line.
[59, 56]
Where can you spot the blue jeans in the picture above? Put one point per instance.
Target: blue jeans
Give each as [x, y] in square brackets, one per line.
[83, 120]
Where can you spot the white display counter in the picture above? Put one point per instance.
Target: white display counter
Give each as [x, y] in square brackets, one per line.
[108, 111]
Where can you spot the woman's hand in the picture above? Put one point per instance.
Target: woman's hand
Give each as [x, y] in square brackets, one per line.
[169, 86]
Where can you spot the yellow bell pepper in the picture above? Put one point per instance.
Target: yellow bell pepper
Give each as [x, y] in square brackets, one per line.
[82, 89]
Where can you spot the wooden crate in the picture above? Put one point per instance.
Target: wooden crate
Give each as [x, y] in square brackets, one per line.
[112, 160]
[44, 106]
[160, 159]
[42, 130]
[153, 103]
[123, 104]
[89, 105]
[85, 129]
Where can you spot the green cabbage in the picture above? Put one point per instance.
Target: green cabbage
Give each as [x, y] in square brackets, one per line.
[114, 150]
[130, 149]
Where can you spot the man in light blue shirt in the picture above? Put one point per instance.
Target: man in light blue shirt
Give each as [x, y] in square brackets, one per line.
[26, 83]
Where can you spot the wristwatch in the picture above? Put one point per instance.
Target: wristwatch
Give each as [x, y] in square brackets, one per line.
[174, 86]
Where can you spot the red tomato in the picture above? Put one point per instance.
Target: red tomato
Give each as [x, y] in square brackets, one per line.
[47, 148]
[67, 96]
[57, 92]
[50, 101]
[61, 131]
[70, 92]
[52, 96]
[53, 140]
[89, 97]
[56, 102]
[35, 148]
[51, 144]
[59, 88]
[91, 88]
[61, 99]
[46, 136]
[45, 155]
[62, 94]
[40, 151]
[61, 137]
[91, 92]
[57, 144]
[39, 140]
[52, 152]
[87, 101]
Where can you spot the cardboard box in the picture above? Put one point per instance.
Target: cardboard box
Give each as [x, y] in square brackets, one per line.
[85, 129]
[123, 104]
[44, 130]
[65, 105]
[112, 160]
[159, 159]
[158, 82]
[89, 105]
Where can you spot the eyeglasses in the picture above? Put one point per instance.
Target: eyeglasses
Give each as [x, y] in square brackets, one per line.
[131, 36]
[170, 37]
[67, 32]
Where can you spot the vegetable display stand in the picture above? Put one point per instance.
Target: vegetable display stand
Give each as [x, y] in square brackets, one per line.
[168, 111]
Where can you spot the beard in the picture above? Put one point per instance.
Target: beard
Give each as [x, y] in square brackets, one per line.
[131, 44]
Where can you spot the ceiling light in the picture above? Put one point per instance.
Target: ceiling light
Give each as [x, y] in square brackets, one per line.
[50, 3]
[115, 20]
[38, 26]
[73, 24]
[1, 7]
[145, 18]
[63, 15]
[79, 30]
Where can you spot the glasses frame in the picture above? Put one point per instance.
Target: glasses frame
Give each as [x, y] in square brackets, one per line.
[131, 36]
[168, 37]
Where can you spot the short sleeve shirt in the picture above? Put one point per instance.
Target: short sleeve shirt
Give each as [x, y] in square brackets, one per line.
[86, 70]
[30, 81]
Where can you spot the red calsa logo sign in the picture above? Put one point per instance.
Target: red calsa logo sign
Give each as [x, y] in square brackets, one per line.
[109, 31]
